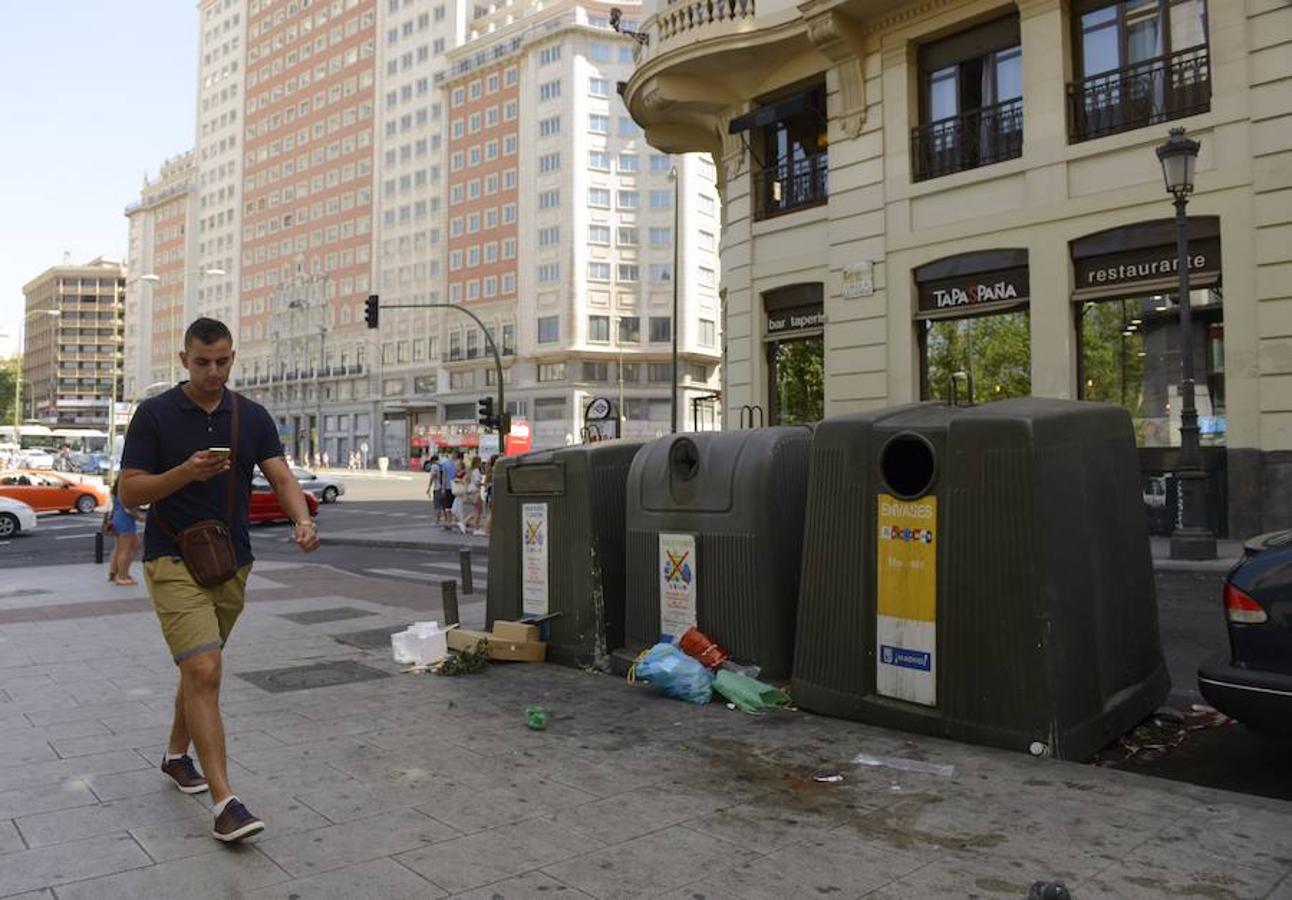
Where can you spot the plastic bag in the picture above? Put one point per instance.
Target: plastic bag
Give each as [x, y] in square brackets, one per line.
[673, 674]
[747, 694]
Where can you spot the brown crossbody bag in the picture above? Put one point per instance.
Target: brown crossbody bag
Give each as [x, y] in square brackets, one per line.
[207, 546]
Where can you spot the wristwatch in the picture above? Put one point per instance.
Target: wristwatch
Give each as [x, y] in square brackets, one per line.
[308, 523]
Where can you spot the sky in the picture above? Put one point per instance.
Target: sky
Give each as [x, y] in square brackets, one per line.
[93, 94]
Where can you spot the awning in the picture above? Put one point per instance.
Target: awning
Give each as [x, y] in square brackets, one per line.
[774, 112]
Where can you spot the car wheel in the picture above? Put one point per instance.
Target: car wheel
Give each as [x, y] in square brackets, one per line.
[329, 495]
[8, 525]
[86, 504]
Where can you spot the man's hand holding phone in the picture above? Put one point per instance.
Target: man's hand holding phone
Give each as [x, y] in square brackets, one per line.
[206, 464]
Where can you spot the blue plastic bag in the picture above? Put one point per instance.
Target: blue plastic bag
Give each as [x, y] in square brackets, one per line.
[674, 674]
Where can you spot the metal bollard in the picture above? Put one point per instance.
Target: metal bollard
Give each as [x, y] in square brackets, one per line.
[449, 596]
[464, 563]
[98, 547]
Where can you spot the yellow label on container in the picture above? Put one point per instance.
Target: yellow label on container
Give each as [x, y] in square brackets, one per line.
[907, 558]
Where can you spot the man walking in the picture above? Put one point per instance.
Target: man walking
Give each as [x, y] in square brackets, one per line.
[190, 452]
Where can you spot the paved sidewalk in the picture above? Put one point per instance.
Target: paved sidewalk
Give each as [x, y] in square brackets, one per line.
[422, 786]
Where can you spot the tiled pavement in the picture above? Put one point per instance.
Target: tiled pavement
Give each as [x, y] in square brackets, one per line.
[421, 786]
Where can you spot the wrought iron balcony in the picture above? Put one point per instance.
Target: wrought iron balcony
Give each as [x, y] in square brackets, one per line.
[976, 138]
[791, 185]
[1147, 93]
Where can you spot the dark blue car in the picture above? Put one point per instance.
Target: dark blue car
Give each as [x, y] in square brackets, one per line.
[1252, 682]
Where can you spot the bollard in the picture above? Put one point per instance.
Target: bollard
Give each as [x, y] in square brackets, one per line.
[464, 563]
[98, 547]
[449, 596]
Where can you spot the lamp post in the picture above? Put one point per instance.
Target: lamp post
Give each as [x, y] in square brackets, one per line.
[22, 359]
[677, 241]
[1192, 539]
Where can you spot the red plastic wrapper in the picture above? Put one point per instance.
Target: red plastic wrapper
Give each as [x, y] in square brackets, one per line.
[695, 643]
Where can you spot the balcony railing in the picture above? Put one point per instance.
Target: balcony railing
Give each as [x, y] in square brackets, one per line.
[1157, 90]
[678, 18]
[979, 137]
[791, 185]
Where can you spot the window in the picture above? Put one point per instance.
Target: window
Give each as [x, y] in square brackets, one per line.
[659, 373]
[599, 197]
[630, 373]
[551, 372]
[549, 55]
[971, 100]
[660, 163]
[549, 272]
[549, 162]
[661, 328]
[549, 236]
[628, 200]
[599, 271]
[599, 160]
[660, 272]
[598, 124]
[661, 237]
[793, 151]
[627, 163]
[630, 331]
[707, 204]
[549, 199]
[549, 329]
[1138, 62]
[661, 199]
[549, 127]
[598, 234]
[627, 237]
[599, 52]
[706, 276]
[708, 333]
[549, 90]
[549, 409]
[596, 371]
[599, 328]
[598, 87]
[627, 127]
[627, 272]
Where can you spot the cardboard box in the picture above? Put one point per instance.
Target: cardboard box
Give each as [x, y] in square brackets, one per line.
[461, 639]
[516, 631]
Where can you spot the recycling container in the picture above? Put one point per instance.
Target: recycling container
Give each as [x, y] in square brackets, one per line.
[981, 573]
[714, 539]
[557, 546]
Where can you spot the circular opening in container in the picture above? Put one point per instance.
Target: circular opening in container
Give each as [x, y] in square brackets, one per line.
[907, 466]
[684, 458]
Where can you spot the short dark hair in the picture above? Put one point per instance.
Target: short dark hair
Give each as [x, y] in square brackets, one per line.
[207, 331]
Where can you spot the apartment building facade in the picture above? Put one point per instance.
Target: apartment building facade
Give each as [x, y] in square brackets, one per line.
[72, 343]
[560, 227]
[913, 189]
[162, 234]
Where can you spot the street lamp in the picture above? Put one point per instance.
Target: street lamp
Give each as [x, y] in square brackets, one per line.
[1192, 539]
[677, 240]
[22, 353]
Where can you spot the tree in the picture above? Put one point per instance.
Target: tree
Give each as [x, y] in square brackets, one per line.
[8, 382]
[800, 381]
[994, 350]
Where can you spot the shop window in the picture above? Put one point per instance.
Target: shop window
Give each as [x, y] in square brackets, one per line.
[1138, 63]
[971, 101]
[1129, 355]
[994, 351]
[788, 138]
[795, 348]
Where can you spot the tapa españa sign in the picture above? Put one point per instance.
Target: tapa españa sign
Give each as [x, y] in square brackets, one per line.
[974, 290]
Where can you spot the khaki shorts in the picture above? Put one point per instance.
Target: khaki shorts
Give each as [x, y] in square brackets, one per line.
[193, 619]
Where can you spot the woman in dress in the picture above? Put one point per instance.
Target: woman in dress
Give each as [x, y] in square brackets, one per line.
[123, 524]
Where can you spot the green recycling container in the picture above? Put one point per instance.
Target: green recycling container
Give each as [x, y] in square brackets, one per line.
[980, 573]
[557, 546]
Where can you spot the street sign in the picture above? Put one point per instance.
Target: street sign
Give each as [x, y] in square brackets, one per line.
[600, 409]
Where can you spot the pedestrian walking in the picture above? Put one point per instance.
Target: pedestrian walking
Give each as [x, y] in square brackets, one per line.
[448, 479]
[190, 452]
[122, 524]
[326, 461]
[475, 498]
[434, 489]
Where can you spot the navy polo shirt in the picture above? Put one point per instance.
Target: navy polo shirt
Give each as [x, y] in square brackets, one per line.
[169, 428]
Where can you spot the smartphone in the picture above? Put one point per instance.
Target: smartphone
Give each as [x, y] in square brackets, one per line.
[221, 452]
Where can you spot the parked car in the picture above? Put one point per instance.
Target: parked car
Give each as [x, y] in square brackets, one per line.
[94, 463]
[36, 459]
[1252, 681]
[51, 491]
[325, 487]
[266, 508]
[15, 516]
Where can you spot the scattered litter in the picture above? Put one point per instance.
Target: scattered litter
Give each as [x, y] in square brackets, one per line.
[747, 694]
[905, 765]
[731, 706]
[824, 778]
[536, 718]
[699, 646]
[673, 673]
[1048, 890]
[1161, 733]
[420, 644]
[509, 641]
[465, 662]
[1039, 748]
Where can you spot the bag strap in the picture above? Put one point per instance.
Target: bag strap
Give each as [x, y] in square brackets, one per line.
[233, 474]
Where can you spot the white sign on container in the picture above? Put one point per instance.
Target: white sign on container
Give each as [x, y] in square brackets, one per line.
[533, 558]
[677, 577]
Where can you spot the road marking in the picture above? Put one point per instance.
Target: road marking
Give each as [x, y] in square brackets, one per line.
[91, 525]
[400, 573]
[70, 537]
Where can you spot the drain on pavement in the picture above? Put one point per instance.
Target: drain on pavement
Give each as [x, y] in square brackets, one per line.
[302, 678]
[372, 639]
[319, 616]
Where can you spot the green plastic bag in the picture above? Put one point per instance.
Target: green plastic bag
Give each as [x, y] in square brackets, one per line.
[747, 693]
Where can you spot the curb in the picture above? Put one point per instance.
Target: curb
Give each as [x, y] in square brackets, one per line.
[400, 545]
[1218, 566]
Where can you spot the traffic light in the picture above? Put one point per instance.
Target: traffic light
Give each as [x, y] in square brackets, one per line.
[371, 311]
[485, 416]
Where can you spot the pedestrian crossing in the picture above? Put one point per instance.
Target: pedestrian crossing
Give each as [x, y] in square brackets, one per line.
[432, 573]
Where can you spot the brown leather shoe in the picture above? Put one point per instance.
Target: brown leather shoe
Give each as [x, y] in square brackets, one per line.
[185, 775]
[235, 823]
